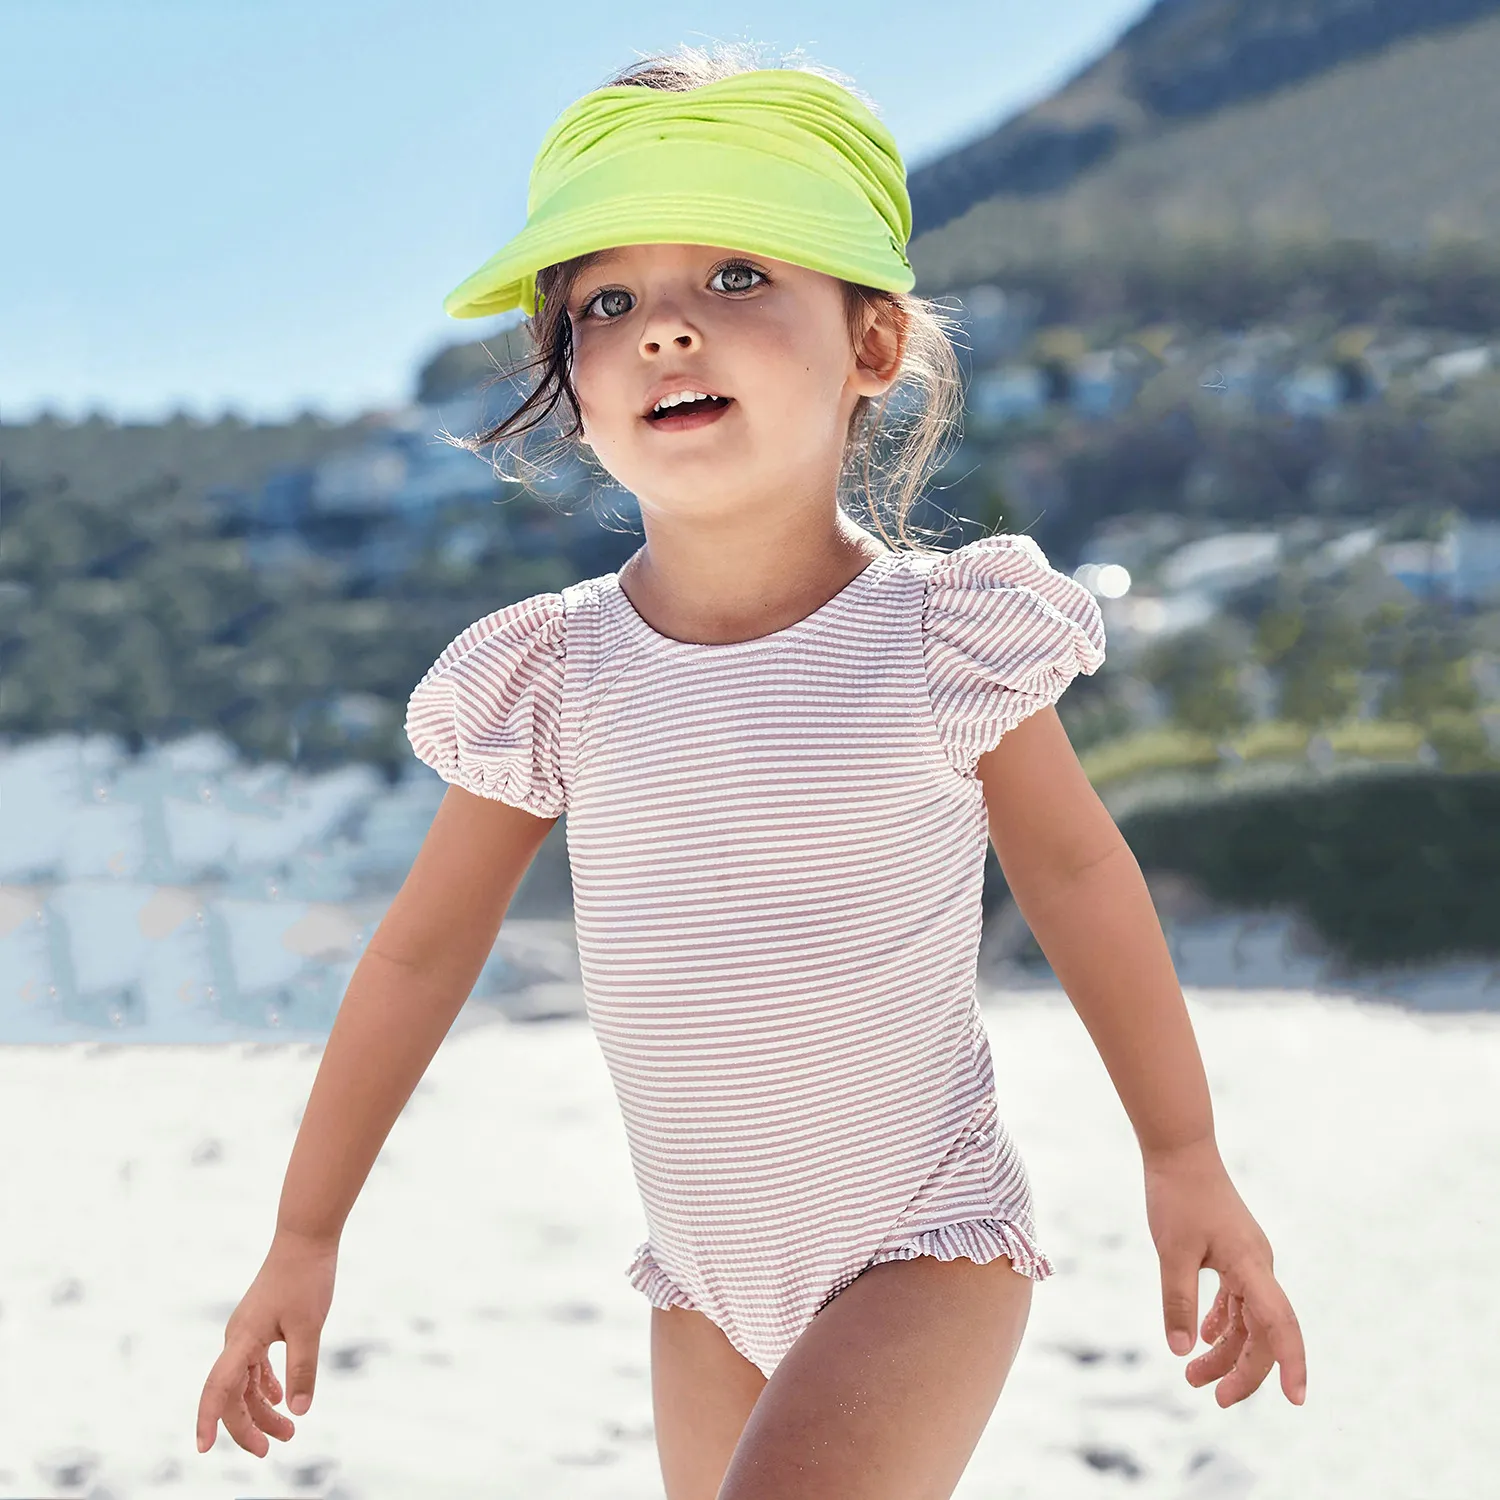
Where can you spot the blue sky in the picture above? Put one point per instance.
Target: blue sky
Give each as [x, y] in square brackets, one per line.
[220, 204]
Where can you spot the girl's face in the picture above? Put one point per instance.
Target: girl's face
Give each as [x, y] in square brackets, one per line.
[648, 320]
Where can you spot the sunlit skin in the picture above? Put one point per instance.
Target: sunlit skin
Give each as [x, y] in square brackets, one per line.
[744, 536]
[887, 1390]
[743, 531]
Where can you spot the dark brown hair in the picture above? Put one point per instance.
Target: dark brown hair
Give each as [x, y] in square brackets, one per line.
[928, 364]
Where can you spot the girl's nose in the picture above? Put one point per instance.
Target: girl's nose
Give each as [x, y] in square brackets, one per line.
[684, 339]
[665, 324]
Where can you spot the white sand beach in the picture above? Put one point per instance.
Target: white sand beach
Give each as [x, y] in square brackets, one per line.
[483, 1340]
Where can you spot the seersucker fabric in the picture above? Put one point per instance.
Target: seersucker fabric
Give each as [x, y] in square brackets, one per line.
[777, 851]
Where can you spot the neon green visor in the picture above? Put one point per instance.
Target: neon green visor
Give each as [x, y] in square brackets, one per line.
[777, 162]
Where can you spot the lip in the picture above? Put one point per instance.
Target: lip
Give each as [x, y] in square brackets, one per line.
[687, 421]
[673, 384]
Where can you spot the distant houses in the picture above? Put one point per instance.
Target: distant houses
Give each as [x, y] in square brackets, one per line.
[1022, 369]
[365, 509]
[1462, 564]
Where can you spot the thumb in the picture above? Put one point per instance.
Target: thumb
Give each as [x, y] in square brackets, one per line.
[1179, 1300]
[301, 1372]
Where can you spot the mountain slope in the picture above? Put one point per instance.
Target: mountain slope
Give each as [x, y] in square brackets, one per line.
[1396, 147]
[1182, 59]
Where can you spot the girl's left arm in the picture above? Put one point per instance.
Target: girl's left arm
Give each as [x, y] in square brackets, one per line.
[1079, 888]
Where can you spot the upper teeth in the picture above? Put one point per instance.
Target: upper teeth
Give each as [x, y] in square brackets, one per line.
[679, 396]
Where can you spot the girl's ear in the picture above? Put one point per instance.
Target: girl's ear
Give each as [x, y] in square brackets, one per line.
[883, 345]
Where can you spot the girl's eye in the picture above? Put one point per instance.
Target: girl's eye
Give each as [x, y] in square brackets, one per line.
[612, 310]
[600, 298]
[738, 268]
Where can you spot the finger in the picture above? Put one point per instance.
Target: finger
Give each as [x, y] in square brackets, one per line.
[206, 1424]
[301, 1369]
[1283, 1334]
[1217, 1318]
[219, 1390]
[1179, 1297]
[1220, 1360]
[1252, 1367]
[265, 1416]
[269, 1385]
[241, 1428]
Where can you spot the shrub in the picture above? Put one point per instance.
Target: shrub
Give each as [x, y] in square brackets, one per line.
[1149, 750]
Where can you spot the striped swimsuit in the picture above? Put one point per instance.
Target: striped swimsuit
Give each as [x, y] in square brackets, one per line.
[777, 850]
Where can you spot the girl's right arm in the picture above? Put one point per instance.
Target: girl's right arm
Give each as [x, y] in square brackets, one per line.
[420, 966]
[405, 993]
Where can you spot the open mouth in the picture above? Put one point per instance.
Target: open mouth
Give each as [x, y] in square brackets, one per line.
[696, 413]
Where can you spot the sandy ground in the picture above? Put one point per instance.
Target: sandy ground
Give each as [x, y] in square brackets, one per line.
[483, 1340]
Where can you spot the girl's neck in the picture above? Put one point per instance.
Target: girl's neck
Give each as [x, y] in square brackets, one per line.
[722, 600]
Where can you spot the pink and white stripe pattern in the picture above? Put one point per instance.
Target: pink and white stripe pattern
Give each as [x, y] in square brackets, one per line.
[777, 849]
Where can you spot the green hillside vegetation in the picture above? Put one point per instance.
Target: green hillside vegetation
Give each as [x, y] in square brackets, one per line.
[460, 368]
[1395, 149]
[1207, 281]
[1386, 866]
[131, 616]
[107, 460]
[1179, 460]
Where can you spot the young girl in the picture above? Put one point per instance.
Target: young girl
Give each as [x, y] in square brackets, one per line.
[781, 745]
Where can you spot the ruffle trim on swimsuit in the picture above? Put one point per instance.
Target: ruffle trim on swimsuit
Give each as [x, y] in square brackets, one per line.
[979, 1240]
[487, 714]
[648, 1277]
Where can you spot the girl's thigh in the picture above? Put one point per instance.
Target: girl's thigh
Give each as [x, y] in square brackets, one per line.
[887, 1392]
[702, 1391]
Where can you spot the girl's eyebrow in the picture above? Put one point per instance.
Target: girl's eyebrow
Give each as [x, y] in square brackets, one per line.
[585, 266]
[589, 261]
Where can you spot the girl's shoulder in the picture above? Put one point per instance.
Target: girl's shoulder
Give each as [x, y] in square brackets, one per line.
[1003, 634]
[1007, 559]
[996, 583]
[486, 714]
[535, 624]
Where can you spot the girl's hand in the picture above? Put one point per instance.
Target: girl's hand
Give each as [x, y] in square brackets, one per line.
[288, 1300]
[1197, 1219]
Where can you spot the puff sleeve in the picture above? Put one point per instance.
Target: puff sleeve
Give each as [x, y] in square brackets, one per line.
[1003, 634]
[487, 714]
